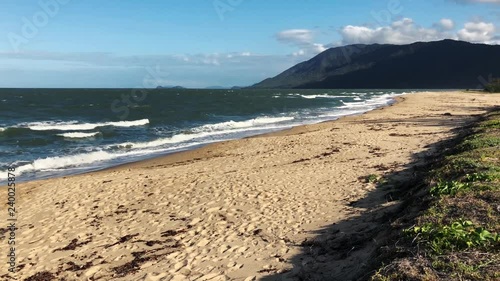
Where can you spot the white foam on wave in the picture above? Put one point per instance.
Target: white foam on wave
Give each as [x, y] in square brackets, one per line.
[75, 126]
[212, 130]
[229, 125]
[322, 96]
[361, 106]
[203, 137]
[82, 160]
[371, 103]
[177, 142]
[78, 135]
[180, 138]
[54, 163]
[70, 161]
[2, 129]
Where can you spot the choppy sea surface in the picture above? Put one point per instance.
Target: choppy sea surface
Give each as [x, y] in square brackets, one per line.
[54, 132]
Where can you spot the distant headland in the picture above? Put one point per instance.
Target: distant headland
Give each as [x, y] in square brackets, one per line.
[446, 64]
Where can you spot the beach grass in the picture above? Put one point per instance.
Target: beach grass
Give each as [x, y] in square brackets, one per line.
[457, 236]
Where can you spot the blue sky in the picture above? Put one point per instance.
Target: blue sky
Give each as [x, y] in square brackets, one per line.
[199, 43]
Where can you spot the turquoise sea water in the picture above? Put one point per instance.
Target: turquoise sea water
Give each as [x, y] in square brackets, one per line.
[52, 132]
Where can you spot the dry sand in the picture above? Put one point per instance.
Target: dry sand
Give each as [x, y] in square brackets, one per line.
[236, 210]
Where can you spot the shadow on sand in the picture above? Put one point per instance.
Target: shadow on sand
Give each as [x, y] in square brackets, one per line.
[354, 248]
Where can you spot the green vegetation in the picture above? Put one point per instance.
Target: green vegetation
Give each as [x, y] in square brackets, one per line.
[372, 178]
[457, 235]
[494, 86]
[481, 177]
[449, 188]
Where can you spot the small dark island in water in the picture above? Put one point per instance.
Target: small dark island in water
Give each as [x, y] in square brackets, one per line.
[169, 87]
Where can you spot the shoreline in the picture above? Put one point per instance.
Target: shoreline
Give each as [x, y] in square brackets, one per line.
[191, 154]
[238, 210]
[188, 156]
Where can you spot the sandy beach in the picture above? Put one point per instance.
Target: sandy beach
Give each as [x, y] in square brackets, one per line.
[236, 210]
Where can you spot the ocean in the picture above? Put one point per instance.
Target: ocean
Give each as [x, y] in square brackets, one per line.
[54, 132]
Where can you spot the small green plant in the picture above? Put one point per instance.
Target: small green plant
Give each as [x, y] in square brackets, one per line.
[459, 235]
[372, 178]
[480, 177]
[448, 188]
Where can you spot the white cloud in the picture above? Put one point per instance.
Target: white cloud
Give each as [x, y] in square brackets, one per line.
[406, 31]
[477, 32]
[303, 39]
[295, 36]
[403, 31]
[318, 48]
[446, 24]
[298, 53]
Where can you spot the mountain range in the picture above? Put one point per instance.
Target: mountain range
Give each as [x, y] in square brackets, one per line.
[446, 64]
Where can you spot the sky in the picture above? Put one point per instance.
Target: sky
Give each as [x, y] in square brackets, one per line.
[203, 43]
